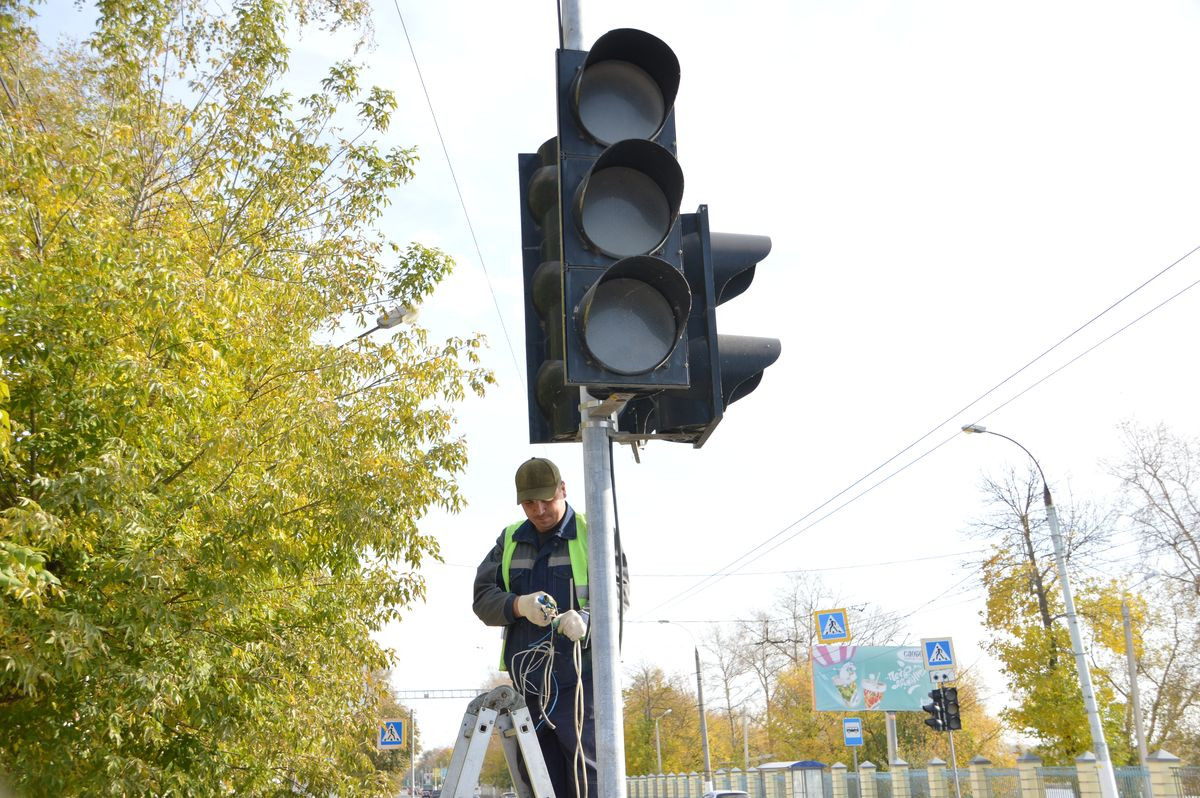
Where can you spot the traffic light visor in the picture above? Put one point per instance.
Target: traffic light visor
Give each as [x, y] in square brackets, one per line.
[630, 199]
[634, 315]
[627, 87]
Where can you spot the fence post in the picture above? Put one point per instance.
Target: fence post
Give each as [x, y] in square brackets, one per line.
[936, 770]
[837, 778]
[1088, 768]
[1027, 775]
[866, 780]
[977, 768]
[1162, 780]
[900, 788]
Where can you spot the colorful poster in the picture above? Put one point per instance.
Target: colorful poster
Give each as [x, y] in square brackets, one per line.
[874, 678]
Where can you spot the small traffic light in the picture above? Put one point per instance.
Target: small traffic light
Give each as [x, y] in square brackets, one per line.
[553, 405]
[723, 368]
[950, 704]
[937, 711]
[625, 298]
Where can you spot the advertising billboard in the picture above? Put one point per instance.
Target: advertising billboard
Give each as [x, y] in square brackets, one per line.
[872, 678]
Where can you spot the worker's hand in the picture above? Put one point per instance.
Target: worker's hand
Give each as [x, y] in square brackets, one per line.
[572, 625]
[537, 608]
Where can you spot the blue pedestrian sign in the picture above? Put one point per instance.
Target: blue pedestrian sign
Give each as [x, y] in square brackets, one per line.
[832, 626]
[852, 731]
[391, 733]
[938, 653]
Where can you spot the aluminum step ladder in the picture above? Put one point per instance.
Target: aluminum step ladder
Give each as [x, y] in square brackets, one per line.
[502, 708]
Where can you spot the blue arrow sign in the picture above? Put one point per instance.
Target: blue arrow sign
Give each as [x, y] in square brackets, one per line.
[391, 734]
[938, 652]
[852, 730]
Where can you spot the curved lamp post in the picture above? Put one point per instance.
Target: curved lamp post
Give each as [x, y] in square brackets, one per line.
[1108, 781]
[708, 777]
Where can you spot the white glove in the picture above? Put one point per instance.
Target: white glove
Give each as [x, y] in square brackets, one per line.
[537, 608]
[572, 625]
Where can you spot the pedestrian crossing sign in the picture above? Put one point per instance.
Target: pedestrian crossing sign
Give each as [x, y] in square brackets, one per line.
[391, 733]
[832, 626]
[938, 653]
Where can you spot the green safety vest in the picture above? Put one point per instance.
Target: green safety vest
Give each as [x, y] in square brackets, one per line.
[577, 550]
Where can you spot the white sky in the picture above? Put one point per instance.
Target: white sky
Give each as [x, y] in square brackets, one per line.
[951, 188]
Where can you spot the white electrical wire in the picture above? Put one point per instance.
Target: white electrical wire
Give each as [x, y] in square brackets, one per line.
[579, 762]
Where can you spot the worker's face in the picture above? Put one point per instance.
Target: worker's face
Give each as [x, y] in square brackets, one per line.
[545, 515]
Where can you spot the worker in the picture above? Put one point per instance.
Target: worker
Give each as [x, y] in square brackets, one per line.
[534, 582]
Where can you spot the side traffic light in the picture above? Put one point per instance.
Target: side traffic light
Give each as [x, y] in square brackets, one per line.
[723, 368]
[937, 711]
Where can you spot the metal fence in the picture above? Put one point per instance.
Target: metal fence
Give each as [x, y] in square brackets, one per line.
[1058, 782]
[1187, 781]
[964, 783]
[1053, 782]
[1132, 782]
[1002, 783]
[918, 783]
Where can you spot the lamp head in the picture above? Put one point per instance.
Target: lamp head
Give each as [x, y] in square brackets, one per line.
[969, 428]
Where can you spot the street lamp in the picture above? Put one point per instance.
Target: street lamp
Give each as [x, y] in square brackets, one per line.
[708, 779]
[1108, 781]
[400, 314]
[658, 740]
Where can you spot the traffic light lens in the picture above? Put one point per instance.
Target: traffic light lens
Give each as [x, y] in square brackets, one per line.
[619, 100]
[631, 328]
[625, 212]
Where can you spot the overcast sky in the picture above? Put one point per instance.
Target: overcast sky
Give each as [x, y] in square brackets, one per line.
[951, 189]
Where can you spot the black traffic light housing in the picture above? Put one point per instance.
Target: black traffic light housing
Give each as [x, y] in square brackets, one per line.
[937, 710]
[553, 405]
[620, 288]
[950, 708]
[626, 301]
[723, 368]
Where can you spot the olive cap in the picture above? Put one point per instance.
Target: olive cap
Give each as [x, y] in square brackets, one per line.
[537, 479]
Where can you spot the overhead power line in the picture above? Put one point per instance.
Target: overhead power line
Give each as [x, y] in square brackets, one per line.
[778, 539]
[458, 190]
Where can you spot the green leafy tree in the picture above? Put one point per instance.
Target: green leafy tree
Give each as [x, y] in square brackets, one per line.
[649, 694]
[1024, 615]
[205, 510]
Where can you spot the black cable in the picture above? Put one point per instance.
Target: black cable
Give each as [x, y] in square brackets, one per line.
[612, 479]
[458, 190]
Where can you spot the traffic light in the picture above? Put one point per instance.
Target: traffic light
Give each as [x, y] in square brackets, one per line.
[937, 711]
[620, 289]
[625, 298]
[553, 405]
[723, 368]
[950, 708]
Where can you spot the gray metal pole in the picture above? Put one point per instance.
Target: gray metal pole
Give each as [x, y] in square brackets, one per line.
[954, 765]
[658, 744]
[745, 740]
[1108, 779]
[412, 752]
[572, 24]
[890, 725]
[1135, 695]
[598, 421]
[708, 777]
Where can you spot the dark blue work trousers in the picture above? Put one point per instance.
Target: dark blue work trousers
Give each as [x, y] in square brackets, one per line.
[559, 743]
